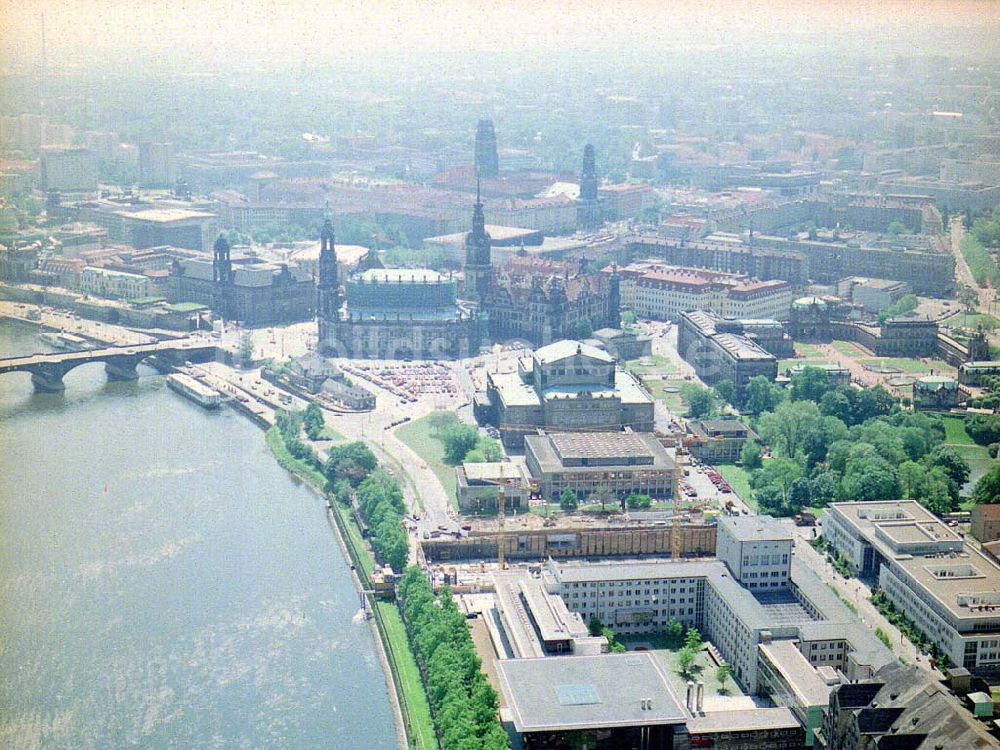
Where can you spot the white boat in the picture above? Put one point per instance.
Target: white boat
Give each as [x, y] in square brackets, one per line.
[62, 340]
[190, 388]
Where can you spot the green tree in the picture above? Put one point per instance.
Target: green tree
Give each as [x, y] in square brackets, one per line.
[905, 304]
[491, 450]
[439, 421]
[725, 391]
[867, 475]
[956, 467]
[685, 660]
[594, 626]
[823, 488]
[675, 631]
[458, 439]
[839, 403]
[896, 228]
[929, 487]
[583, 328]
[762, 395]
[693, 639]
[810, 384]
[786, 427]
[700, 401]
[750, 455]
[351, 462]
[872, 402]
[987, 489]
[722, 675]
[772, 485]
[636, 501]
[628, 318]
[475, 456]
[567, 500]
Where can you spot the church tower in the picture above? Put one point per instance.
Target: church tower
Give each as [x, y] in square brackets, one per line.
[487, 161]
[588, 213]
[328, 283]
[478, 260]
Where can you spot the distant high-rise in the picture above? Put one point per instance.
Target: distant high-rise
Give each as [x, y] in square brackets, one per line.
[69, 169]
[157, 165]
[487, 161]
[588, 212]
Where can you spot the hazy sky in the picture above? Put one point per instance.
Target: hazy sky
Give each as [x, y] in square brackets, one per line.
[109, 32]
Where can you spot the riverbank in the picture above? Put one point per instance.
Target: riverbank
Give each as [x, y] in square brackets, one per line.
[407, 695]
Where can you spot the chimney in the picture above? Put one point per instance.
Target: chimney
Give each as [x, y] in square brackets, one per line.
[690, 696]
[701, 697]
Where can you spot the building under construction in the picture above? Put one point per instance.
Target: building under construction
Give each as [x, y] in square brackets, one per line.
[576, 539]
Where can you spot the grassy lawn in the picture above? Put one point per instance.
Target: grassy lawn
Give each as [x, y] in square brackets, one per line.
[808, 351]
[846, 347]
[703, 669]
[646, 363]
[417, 435]
[331, 434]
[977, 456]
[911, 366]
[421, 724]
[673, 401]
[786, 364]
[971, 320]
[739, 480]
[954, 431]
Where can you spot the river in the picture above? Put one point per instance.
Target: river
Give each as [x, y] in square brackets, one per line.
[164, 583]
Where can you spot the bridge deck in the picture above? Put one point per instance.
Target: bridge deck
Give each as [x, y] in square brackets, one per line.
[96, 355]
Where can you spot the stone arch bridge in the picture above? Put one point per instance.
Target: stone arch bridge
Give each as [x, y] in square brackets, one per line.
[47, 370]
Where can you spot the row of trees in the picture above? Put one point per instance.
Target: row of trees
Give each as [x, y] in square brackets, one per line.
[380, 499]
[841, 444]
[463, 702]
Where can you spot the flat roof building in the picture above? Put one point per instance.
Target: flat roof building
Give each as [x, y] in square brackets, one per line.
[587, 463]
[947, 587]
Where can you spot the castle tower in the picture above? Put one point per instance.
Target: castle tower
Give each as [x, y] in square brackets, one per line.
[487, 161]
[222, 276]
[478, 258]
[328, 284]
[588, 214]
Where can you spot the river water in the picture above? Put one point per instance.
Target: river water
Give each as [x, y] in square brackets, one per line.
[164, 583]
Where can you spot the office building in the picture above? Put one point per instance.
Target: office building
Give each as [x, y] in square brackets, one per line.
[944, 585]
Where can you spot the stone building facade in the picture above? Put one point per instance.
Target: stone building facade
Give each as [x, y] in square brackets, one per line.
[252, 292]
